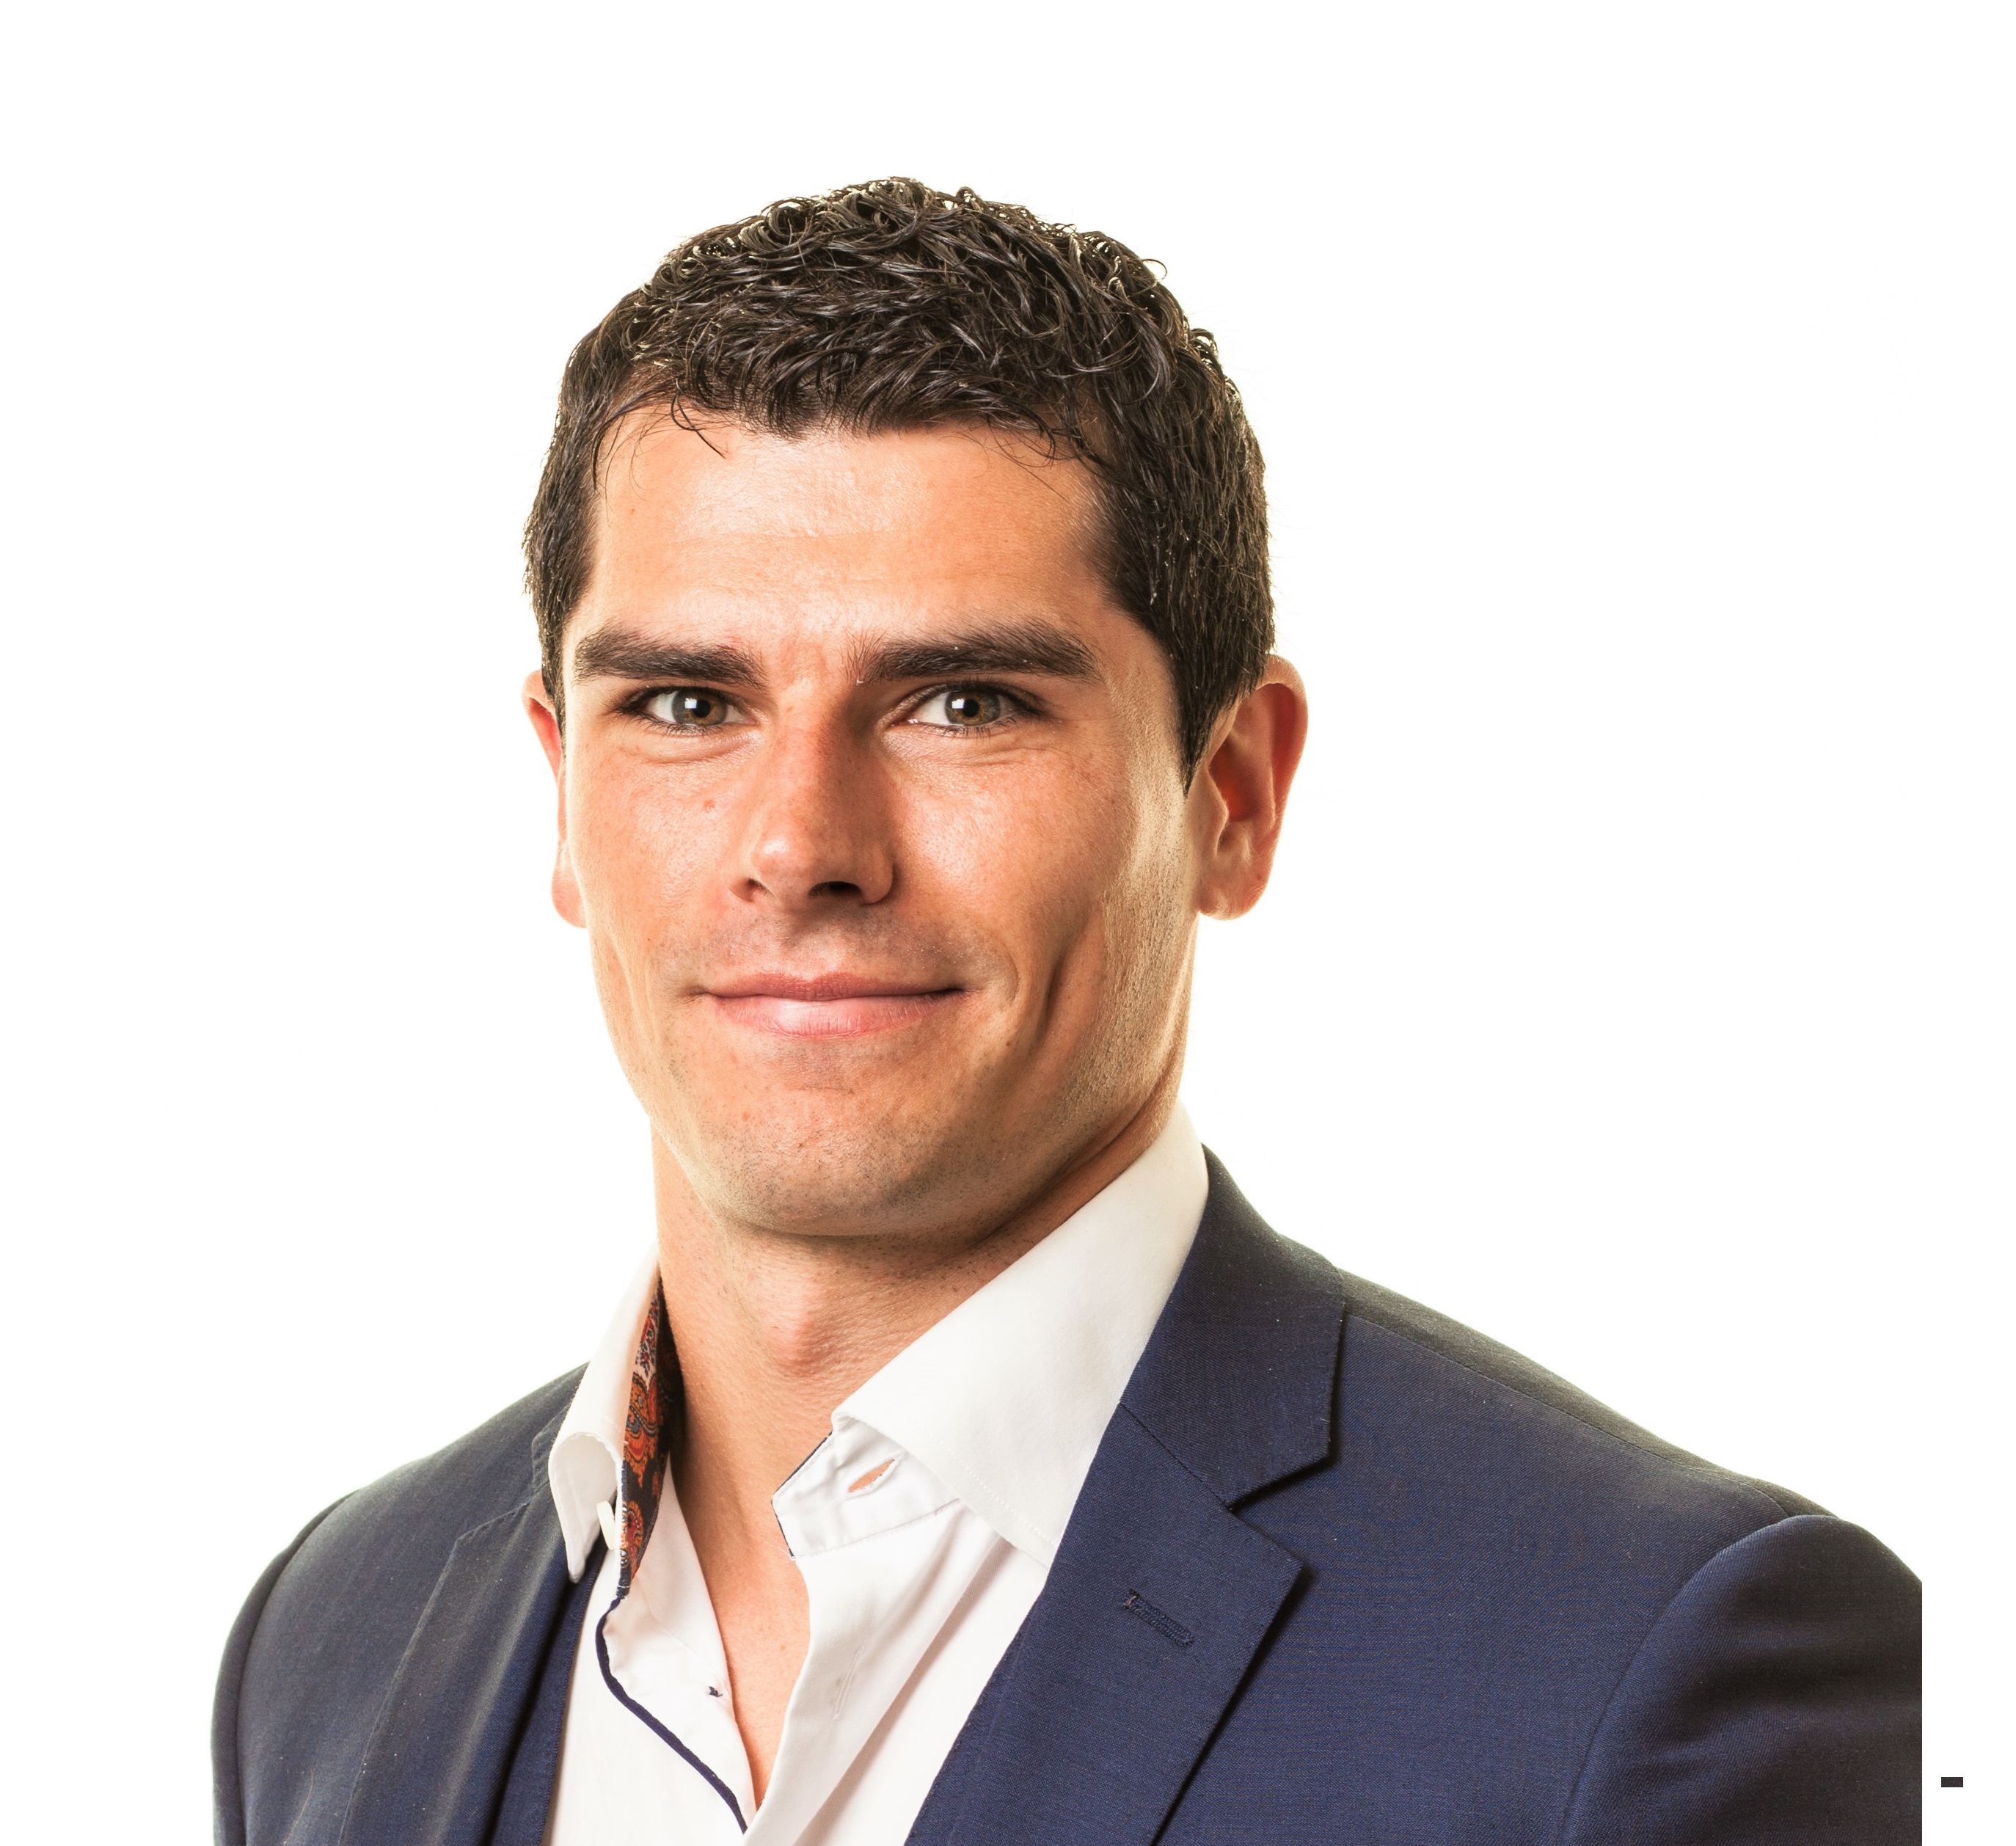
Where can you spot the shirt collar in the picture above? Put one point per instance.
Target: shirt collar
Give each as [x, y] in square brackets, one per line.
[1005, 1400]
[586, 1468]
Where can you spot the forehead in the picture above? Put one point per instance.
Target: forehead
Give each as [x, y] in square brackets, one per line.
[902, 522]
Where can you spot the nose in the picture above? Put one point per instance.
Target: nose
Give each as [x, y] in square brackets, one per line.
[816, 828]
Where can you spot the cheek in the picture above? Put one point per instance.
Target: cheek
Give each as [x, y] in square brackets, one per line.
[1147, 916]
[638, 857]
[1054, 862]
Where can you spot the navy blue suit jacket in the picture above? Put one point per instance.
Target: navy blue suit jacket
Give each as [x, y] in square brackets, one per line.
[1342, 1570]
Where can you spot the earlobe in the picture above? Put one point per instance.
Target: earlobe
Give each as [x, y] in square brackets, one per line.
[546, 725]
[567, 889]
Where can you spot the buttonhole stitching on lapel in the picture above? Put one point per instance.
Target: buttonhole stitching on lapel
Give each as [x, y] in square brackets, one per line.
[1167, 1626]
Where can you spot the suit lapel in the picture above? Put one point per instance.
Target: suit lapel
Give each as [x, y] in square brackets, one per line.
[434, 1769]
[1160, 1595]
[1152, 1611]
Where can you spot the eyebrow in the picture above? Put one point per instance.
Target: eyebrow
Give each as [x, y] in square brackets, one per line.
[617, 653]
[992, 647]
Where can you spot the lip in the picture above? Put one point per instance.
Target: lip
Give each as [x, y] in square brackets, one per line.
[827, 1005]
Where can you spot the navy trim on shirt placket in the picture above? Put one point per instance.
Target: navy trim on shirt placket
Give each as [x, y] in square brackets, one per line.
[630, 1705]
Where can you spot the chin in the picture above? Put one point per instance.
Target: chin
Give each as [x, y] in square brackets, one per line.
[852, 1170]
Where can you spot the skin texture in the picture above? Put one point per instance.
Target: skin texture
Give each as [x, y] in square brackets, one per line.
[872, 806]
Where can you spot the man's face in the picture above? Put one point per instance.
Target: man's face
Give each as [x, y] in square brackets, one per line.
[872, 808]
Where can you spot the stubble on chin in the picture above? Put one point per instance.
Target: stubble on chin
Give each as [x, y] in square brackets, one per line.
[814, 1147]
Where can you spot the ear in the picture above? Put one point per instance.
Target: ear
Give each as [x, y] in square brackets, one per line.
[1240, 791]
[547, 723]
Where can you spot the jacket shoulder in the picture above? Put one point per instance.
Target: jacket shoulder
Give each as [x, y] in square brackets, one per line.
[1797, 1651]
[477, 1477]
[1420, 1340]
[367, 1566]
[1485, 1552]
[316, 1650]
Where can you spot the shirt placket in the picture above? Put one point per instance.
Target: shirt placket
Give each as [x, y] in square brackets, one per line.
[857, 1515]
[662, 1680]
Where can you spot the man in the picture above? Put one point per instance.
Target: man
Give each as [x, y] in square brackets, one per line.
[968, 1463]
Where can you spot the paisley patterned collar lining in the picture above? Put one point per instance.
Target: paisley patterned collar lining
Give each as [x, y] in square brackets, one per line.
[645, 1462]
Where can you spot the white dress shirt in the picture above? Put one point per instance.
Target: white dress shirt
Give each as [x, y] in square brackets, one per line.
[924, 1524]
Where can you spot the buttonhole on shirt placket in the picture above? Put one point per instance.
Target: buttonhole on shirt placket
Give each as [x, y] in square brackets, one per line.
[873, 1478]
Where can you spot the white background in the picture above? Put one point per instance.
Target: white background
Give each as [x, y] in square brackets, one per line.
[1637, 387]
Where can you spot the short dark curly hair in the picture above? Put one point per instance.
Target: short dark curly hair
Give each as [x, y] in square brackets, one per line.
[892, 305]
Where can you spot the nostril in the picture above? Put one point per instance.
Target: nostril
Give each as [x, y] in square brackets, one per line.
[835, 887]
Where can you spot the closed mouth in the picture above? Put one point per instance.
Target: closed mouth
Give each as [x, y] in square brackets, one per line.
[827, 1005]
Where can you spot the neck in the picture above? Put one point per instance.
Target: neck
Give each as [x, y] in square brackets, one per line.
[775, 1330]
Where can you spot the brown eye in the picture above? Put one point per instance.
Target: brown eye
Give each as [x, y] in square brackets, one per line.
[689, 708]
[963, 708]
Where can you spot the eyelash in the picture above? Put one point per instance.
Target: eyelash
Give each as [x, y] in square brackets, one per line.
[1015, 706]
[639, 705]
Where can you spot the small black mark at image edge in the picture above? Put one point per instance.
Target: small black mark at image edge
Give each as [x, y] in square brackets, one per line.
[1953, 1782]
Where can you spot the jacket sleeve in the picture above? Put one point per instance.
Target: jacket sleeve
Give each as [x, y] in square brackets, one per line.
[1775, 1701]
[227, 1785]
